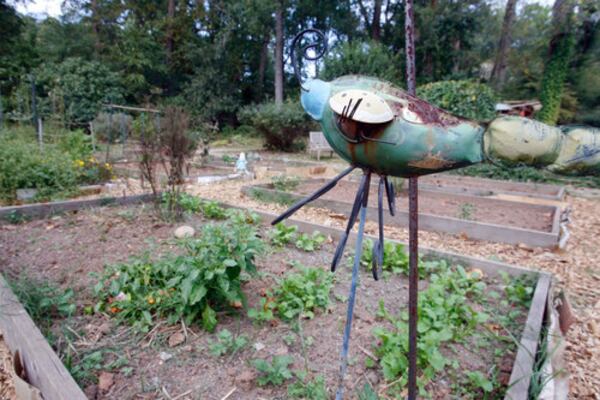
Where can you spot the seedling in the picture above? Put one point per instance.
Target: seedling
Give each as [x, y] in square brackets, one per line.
[226, 343]
[276, 372]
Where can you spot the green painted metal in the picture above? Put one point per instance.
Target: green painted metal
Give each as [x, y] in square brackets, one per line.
[423, 139]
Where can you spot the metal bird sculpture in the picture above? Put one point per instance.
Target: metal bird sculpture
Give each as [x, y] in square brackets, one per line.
[383, 130]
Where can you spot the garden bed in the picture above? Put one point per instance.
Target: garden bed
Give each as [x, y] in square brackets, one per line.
[474, 216]
[489, 187]
[64, 250]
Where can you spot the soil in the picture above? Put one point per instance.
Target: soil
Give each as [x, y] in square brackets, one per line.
[448, 205]
[66, 249]
[487, 186]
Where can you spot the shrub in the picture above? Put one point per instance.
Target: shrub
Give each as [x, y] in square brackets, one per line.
[23, 165]
[190, 287]
[467, 99]
[282, 126]
[112, 127]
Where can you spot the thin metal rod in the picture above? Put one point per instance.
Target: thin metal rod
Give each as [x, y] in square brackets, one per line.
[413, 210]
[413, 284]
[362, 187]
[409, 29]
[330, 185]
[351, 298]
[377, 255]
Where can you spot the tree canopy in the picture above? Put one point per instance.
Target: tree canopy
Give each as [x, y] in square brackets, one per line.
[214, 57]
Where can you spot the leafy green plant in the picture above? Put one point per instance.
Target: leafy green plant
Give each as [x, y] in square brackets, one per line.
[468, 99]
[304, 388]
[478, 381]
[212, 209]
[519, 289]
[285, 183]
[444, 315]
[264, 312]
[395, 258]
[207, 276]
[276, 372]
[280, 234]
[187, 202]
[226, 343]
[310, 243]
[242, 216]
[301, 293]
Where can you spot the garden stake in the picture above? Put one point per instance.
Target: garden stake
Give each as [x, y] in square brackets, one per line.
[413, 215]
[384, 130]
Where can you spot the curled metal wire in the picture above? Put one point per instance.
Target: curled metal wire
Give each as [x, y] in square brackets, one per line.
[320, 43]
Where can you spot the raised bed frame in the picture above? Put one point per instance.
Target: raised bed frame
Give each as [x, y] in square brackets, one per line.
[437, 223]
[543, 190]
[48, 374]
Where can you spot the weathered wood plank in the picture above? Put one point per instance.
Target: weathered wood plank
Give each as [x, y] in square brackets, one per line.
[46, 209]
[44, 369]
[436, 223]
[520, 378]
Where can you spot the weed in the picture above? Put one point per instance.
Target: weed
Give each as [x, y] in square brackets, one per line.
[263, 196]
[227, 159]
[16, 218]
[285, 183]
[466, 211]
[43, 301]
[226, 343]
[281, 234]
[307, 389]
[367, 393]
[310, 243]
[276, 372]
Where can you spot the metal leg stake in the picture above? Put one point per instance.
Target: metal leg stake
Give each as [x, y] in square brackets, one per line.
[351, 298]
[413, 284]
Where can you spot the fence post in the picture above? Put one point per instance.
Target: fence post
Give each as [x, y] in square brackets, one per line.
[40, 133]
[93, 136]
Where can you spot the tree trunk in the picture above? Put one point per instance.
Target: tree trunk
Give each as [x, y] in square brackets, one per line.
[170, 40]
[498, 76]
[279, 53]
[262, 67]
[557, 66]
[376, 24]
[96, 29]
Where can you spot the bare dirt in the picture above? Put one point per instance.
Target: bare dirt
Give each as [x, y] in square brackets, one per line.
[486, 186]
[471, 208]
[65, 249]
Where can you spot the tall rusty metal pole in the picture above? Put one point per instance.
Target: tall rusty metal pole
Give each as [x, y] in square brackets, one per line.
[413, 210]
